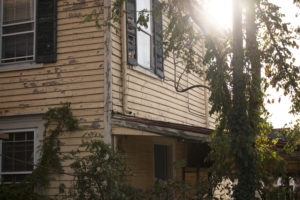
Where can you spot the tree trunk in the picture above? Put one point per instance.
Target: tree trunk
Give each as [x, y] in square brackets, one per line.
[255, 101]
[242, 140]
[256, 94]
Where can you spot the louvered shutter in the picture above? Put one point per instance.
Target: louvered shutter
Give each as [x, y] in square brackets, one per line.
[157, 38]
[131, 35]
[46, 31]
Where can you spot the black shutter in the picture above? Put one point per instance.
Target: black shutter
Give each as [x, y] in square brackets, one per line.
[46, 31]
[131, 32]
[158, 45]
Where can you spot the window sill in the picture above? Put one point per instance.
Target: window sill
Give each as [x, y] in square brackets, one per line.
[19, 66]
[145, 71]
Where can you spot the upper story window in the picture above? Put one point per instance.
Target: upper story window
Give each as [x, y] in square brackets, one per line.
[144, 44]
[17, 30]
[144, 36]
[28, 31]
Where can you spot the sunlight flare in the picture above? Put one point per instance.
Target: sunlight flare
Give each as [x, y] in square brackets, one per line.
[219, 13]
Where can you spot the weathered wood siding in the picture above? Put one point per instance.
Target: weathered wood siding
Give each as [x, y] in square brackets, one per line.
[77, 77]
[139, 155]
[152, 98]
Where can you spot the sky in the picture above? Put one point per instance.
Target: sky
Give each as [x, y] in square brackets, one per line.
[279, 111]
[220, 13]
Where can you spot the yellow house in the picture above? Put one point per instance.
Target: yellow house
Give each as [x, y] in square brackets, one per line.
[118, 84]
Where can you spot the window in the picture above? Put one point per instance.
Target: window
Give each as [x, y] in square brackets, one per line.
[144, 45]
[144, 36]
[19, 139]
[17, 30]
[28, 31]
[196, 154]
[162, 162]
[17, 149]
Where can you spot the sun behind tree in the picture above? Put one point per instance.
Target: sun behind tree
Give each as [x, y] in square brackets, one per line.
[219, 13]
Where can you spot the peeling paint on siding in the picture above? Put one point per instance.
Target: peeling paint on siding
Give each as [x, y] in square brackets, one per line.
[75, 14]
[35, 91]
[98, 3]
[24, 105]
[27, 85]
[51, 83]
[95, 125]
[73, 61]
[75, 6]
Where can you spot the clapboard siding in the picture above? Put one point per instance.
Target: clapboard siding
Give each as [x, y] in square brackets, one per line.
[139, 155]
[77, 77]
[23, 84]
[153, 98]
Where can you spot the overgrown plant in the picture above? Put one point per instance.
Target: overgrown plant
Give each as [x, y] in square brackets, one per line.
[99, 172]
[57, 121]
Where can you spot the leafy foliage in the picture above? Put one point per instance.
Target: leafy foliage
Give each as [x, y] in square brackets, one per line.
[99, 172]
[241, 146]
[57, 120]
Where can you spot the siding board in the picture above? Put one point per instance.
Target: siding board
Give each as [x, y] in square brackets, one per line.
[152, 98]
[77, 77]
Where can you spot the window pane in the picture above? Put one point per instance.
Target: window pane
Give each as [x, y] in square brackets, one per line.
[20, 164]
[7, 161]
[13, 177]
[18, 28]
[18, 152]
[30, 136]
[141, 5]
[17, 11]
[143, 49]
[161, 162]
[20, 136]
[17, 46]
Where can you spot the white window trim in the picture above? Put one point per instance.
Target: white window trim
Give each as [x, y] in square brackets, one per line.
[19, 65]
[35, 139]
[22, 123]
[143, 70]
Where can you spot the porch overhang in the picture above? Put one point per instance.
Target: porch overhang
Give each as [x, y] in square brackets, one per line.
[180, 131]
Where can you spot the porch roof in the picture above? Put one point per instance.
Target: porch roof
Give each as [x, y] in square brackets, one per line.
[162, 128]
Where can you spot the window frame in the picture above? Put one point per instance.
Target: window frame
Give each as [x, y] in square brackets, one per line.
[35, 148]
[156, 69]
[19, 33]
[26, 121]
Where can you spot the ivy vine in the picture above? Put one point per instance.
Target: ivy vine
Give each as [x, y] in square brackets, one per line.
[57, 121]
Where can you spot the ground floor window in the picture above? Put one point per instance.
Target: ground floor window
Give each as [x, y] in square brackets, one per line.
[162, 162]
[17, 154]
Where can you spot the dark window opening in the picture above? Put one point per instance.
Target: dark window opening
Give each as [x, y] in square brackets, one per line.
[196, 155]
[162, 161]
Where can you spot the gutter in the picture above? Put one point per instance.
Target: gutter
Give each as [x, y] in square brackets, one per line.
[124, 62]
[107, 76]
[168, 129]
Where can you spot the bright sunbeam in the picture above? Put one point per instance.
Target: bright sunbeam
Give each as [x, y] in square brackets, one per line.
[219, 13]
